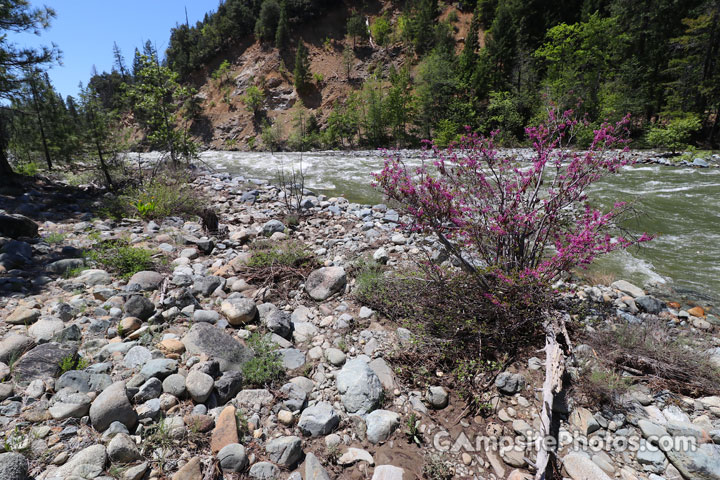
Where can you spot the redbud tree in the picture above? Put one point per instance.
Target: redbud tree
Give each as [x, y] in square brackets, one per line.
[509, 221]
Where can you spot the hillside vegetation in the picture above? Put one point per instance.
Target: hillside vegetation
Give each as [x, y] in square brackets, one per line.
[304, 74]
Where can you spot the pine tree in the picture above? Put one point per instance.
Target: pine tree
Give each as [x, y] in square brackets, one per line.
[302, 67]
[282, 34]
[18, 16]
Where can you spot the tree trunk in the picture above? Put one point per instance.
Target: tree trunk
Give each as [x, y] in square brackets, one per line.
[40, 123]
[5, 168]
[103, 166]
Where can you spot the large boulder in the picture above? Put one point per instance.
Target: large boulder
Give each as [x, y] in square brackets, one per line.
[16, 226]
[112, 405]
[13, 466]
[701, 463]
[324, 282]
[216, 344]
[360, 388]
[42, 362]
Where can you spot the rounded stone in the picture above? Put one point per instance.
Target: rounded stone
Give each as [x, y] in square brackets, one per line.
[199, 385]
[174, 385]
[233, 458]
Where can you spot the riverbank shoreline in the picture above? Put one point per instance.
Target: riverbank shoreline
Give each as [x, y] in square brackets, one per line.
[160, 340]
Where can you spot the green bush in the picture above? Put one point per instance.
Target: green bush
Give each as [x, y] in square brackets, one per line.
[675, 134]
[222, 74]
[54, 238]
[28, 169]
[381, 31]
[121, 258]
[161, 197]
[71, 362]
[266, 367]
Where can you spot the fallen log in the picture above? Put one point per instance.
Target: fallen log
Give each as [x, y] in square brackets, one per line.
[552, 386]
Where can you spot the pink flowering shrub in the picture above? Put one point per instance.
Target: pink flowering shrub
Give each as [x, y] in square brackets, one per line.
[514, 223]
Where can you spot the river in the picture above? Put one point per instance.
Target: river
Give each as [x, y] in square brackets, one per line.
[681, 205]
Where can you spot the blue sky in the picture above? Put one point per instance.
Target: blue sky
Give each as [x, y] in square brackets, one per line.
[85, 30]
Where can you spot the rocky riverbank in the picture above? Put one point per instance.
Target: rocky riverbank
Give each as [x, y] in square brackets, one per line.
[142, 377]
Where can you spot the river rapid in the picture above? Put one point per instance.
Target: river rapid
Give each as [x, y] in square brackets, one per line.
[679, 204]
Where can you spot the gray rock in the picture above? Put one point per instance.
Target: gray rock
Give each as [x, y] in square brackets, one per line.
[137, 356]
[314, 469]
[174, 385]
[380, 425]
[251, 397]
[319, 419]
[149, 409]
[149, 390]
[13, 346]
[16, 226]
[391, 472]
[264, 471]
[324, 282]
[114, 429]
[199, 385]
[88, 463]
[23, 316]
[68, 334]
[75, 380]
[137, 472]
[294, 397]
[279, 323]
[42, 362]
[702, 463]
[159, 367]
[13, 466]
[207, 285]
[273, 226]
[239, 310]
[652, 459]
[649, 304]
[112, 405]
[335, 356]
[145, 281]
[285, 451]
[627, 287]
[360, 389]
[228, 385]
[65, 265]
[44, 329]
[94, 277]
[292, 358]
[140, 307]
[122, 449]
[212, 341]
[233, 458]
[437, 397]
[580, 467]
[69, 405]
[510, 383]
[206, 316]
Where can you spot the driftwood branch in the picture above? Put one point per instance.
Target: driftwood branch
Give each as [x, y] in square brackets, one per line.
[554, 371]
